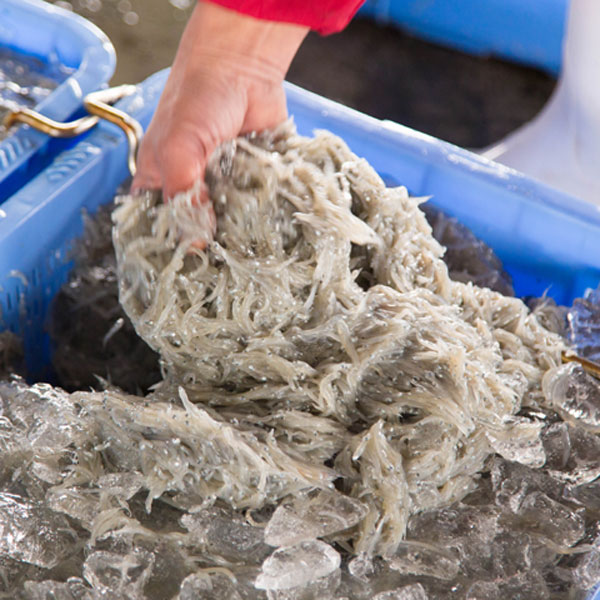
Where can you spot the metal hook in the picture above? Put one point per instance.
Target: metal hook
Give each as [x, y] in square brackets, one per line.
[589, 366]
[98, 104]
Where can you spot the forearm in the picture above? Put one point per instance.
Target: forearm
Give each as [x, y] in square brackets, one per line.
[219, 36]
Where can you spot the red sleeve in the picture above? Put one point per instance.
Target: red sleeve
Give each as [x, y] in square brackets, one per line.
[324, 16]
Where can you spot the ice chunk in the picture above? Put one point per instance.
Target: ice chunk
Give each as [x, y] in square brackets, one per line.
[31, 533]
[574, 394]
[447, 525]
[225, 533]
[467, 257]
[410, 592]
[416, 558]
[584, 325]
[583, 465]
[557, 445]
[512, 482]
[524, 586]
[587, 571]
[299, 565]
[73, 589]
[306, 518]
[119, 575]
[519, 442]
[541, 515]
[587, 495]
[204, 586]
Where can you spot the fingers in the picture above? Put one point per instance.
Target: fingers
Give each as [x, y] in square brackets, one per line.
[148, 176]
[265, 111]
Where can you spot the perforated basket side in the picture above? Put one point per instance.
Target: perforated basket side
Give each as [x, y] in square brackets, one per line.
[38, 29]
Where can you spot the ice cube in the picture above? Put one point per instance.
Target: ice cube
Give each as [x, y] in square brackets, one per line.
[528, 585]
[584, 324]
[541, 515]
[520, 442]
[417, 558]
[557, 445]
[297, 566]
[410, 592]
[73, 589]
[222, 531]
[119, 575]
[583, 465]
[31, 533]
[512, 482]
[587, 572]
[587, 495]
[574, 394]
[306, 518]
[204, 586]
[447, 525]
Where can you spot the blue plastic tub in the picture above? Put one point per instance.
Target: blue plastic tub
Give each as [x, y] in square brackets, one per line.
[525, 31]
[548, 241]
[33, 28]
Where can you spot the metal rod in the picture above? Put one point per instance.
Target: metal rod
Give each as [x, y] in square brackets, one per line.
[49, 126]
[589, 366]
[98, 105]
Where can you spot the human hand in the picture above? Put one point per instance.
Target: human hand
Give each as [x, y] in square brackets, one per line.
[226, 80]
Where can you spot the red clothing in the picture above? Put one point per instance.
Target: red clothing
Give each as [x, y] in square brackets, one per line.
[324, 16]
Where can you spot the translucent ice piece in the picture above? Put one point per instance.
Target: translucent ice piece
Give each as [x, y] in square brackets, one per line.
[415, 558]
[574, 394]
[299, 565]
[410, 592]
[587, 495]
[557, 445]
[304, 518]
[520, 442]
[584, 325]
[587, 572]
[512, 482]
[541, 515]
[524, 586]
[118, 575]
[441, 526]
[73, 589]
[225, 533]
[31, 533]
[467, 257]
[204, 586]
[583, 465]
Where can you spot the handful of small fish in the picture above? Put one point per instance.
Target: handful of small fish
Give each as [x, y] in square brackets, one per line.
[338, 417]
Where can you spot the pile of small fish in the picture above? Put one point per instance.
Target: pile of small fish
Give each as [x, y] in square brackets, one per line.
[338, 417]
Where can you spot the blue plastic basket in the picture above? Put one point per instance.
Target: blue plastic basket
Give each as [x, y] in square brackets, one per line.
[525, 31]
[33, 28]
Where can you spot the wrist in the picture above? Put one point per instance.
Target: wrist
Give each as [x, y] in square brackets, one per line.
[260, 48]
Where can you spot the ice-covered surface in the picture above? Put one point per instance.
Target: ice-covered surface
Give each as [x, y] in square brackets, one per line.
[200, 491]
[25, 81]
[467, 257]
[584, 325]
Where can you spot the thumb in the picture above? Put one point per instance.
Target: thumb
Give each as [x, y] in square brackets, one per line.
[183, 164]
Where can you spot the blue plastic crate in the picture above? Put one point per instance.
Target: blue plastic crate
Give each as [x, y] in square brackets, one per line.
[525, 31]
[33, 28]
